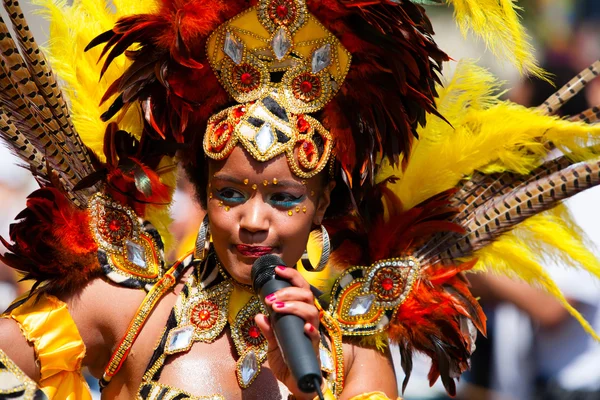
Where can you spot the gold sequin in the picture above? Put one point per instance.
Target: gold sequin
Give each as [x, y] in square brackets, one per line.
[220, 203]
[254, 186]
[265, 182]
[297, 209]
[227, 208]
[246, 181]
[312, 193]
[275, 181]
[210, 196]
[290, 213]
[304, 209]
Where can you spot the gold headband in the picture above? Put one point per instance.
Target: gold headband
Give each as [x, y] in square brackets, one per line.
[276, 39]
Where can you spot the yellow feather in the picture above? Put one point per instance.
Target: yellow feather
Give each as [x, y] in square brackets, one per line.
[497, 23]
[512, 257]
[487, 134]
[71, 29]
[491, 135]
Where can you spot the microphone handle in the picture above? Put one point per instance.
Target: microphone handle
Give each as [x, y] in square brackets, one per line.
[296, 347]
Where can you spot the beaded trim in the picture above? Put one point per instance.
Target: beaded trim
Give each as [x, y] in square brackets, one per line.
[141, 316]
[15, 383]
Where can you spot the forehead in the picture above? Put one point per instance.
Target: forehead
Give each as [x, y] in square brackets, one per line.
[241, 164]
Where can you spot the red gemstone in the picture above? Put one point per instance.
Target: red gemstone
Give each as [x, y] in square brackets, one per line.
[246, 78]
[204, 315]
[239, 112]
[306, 87]
[303, 125]
[254, 332]
[114, 225]
[282, 11]
[387, 284]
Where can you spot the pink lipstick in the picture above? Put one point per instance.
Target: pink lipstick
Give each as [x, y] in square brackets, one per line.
[253, 251]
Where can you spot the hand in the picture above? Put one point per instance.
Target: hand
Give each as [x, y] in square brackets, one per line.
[297, 300]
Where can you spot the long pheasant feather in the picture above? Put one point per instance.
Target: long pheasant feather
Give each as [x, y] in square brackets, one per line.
[45, 81]
[570, 89]
[507, 211]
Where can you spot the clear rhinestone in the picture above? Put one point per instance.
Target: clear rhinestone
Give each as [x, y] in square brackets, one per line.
[233, 48]
[326, 359]
[136, 254]
[264, 138]
[281, 43]
[321, 58]
[361, 305]
[249, 368]
[180, 339]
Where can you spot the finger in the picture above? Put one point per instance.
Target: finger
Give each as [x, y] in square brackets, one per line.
[291, 293]
[312, 332]
[307, 312]
[263, 323]
[292, 276]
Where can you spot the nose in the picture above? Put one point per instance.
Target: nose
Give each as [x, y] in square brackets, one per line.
[255, 216]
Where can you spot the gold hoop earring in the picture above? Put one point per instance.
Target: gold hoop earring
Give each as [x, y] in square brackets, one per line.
[202, 240]
[326, 250]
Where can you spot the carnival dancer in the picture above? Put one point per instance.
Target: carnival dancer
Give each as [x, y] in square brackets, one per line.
[290, 117]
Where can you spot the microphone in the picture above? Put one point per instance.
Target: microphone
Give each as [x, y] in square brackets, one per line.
[296, 347]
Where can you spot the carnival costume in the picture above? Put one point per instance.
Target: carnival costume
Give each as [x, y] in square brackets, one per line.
[433, 180]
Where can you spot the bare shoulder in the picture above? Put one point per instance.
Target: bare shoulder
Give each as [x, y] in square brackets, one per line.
[16, 347]
[368, 369]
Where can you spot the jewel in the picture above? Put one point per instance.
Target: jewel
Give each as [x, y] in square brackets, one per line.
[249, 368]
[321, 58]
[246, 78]
[233, 48]
[239, 112]
[254, 332]
[361, 305]
[326, 360]
[387, 284]
[303, 125]
[282, 11]
[136, 254]
[114, 225]
[204, 315]
[180, 339]
[264, 138]
[306, 86]
[281, 43]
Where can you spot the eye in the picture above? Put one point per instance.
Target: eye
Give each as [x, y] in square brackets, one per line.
[285, 200]
[231, 195]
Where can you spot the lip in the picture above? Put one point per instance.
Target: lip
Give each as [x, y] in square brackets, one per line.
[253, 251]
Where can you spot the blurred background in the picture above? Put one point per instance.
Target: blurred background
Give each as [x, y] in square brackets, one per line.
[534, 348]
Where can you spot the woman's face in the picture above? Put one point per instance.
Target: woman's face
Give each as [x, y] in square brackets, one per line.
[257, 208]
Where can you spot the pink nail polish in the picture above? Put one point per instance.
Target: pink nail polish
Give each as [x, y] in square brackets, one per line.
[270, 297]
[279, 305]
[281, 267]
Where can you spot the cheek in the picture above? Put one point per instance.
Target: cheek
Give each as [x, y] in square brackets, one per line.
[222, 222]
[292, 231]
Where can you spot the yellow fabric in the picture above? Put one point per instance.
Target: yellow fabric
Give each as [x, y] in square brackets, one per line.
[371, 396]
[47, 324]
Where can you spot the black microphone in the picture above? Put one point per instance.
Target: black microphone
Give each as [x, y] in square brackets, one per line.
[296, 347]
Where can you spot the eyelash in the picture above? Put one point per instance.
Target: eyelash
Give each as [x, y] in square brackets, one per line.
[226, 195]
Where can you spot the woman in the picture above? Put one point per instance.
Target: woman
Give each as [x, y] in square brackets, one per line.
[285, 115]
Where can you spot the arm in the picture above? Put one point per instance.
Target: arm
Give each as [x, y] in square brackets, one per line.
[16, 347]
[539, 305]
[369, 370]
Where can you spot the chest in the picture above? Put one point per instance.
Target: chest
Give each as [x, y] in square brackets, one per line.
[209, 369]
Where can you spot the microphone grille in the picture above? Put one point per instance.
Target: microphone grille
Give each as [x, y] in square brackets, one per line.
[263, 270]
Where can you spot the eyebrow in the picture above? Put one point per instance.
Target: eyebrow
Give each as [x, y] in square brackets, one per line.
[282, 183]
